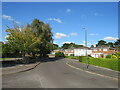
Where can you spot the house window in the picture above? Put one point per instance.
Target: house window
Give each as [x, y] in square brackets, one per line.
[95, 50]
[104, 49]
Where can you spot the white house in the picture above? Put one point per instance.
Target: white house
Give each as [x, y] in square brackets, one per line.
[82, 51]
[68, 52]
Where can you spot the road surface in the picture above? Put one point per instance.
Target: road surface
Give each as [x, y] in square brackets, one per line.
[59, 73]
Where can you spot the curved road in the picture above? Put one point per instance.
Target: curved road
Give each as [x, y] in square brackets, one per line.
[56, 74]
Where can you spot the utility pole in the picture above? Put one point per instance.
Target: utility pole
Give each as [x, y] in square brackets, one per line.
[86, 46]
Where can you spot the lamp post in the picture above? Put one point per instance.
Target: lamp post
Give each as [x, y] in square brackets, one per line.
[86, 46]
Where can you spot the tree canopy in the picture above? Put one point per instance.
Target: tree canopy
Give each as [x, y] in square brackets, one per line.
[71, 45]
[34, 38]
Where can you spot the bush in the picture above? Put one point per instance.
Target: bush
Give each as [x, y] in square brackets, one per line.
[111, 63]
[102, 55]
[108, 56]
[71, 54]
[114, 56]
[59, 54]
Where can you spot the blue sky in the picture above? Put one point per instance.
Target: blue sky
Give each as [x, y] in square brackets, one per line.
[67, 19]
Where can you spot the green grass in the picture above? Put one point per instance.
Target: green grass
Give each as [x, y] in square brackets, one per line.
[5, 58]
[102, 62]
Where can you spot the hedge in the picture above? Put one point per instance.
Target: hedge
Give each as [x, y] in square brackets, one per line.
[102, 62]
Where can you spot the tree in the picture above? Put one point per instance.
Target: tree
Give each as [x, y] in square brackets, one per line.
[110, 44]
[55, 46]
[101, 42]
[66, 46]
[71, 45]
[34, 38]
[117, 45]
[92, 46]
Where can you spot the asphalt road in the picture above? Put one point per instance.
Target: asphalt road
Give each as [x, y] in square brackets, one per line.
[57, 74]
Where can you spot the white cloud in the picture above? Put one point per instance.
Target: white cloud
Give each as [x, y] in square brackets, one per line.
[17, 22]
[68, 10]
[67, 42]
[93, 34]
[60, 35]
[58, 20]
[98, 14]
[110, 38]
[9, 18]
[54, 42]
[74, 34]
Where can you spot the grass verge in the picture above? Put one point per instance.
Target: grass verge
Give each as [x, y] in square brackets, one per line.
[102, 62]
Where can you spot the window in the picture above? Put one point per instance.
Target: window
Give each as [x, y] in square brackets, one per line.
[104, 49]
[95, 50]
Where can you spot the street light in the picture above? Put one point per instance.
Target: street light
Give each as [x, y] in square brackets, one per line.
[86, 46]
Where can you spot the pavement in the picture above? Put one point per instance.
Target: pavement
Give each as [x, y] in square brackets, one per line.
[61, 73]
[18, 68]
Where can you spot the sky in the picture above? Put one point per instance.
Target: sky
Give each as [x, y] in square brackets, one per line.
[67, 19]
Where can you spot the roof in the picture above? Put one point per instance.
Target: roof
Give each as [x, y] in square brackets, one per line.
[83, 48]
[102, 47]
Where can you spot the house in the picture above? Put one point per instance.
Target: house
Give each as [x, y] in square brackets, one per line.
[81, 51]
[97, 52]
[55, 51]
[68, 52]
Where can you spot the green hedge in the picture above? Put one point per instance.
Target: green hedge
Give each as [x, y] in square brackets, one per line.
[59, 54]
[102, 62]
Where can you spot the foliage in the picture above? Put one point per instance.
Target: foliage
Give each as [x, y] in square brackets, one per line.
[32, 39]
[92, 46]
[114, 56]
[117, 43]
[110, 44]
[59, 54]
[71, 54]
[101, 42]
[108, 56]
[70, 45]
[55, 46]
[102, 62]
[102, 55]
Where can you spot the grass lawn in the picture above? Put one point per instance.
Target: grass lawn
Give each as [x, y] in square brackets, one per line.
[102, 62]
[5, 59]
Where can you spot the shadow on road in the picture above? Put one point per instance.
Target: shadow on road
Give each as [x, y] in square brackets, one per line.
[15, 63]
[43, 61]
[51, 60]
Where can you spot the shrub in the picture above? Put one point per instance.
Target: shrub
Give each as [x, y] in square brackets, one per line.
[71, 54]
[102, 55]
[59, 54]
[114, 56]
[111, 63]
[108, 56]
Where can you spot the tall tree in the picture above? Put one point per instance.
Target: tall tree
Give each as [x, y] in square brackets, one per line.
[101, 42]
[110, 44]
[71, 45]
[35, 38]
[117, 45]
